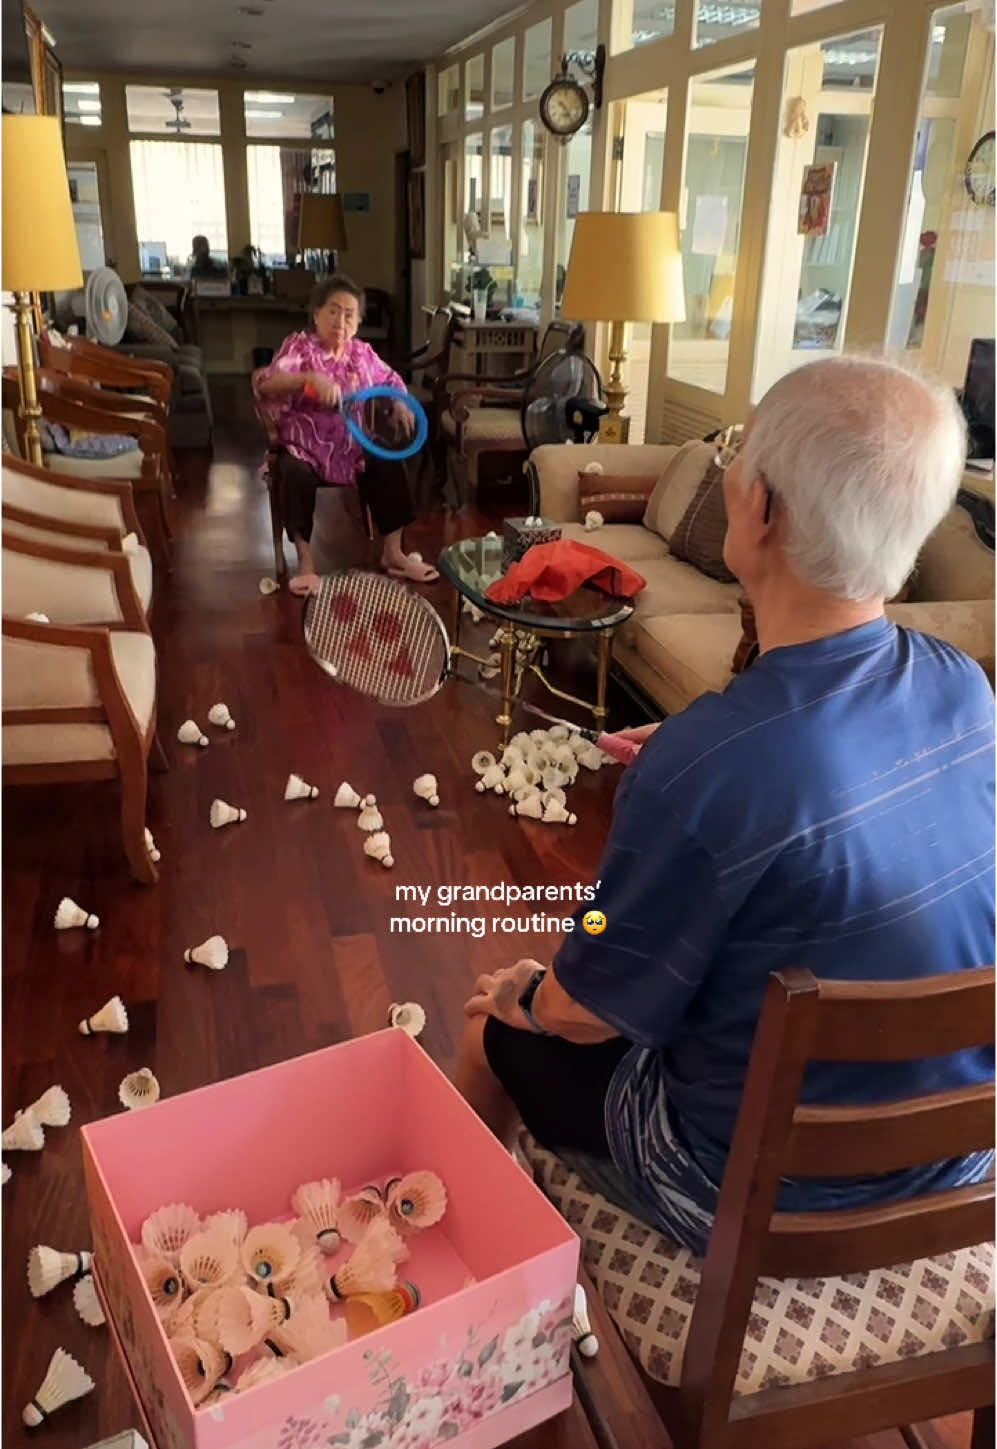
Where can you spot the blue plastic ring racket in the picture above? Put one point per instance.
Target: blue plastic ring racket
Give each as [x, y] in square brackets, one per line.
[392, 394]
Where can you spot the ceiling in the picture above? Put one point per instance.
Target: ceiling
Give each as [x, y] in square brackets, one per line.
[331, 40]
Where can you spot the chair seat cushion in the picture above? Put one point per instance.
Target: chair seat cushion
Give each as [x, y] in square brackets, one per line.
[491, 427]
[798, 1329]
[125, 465]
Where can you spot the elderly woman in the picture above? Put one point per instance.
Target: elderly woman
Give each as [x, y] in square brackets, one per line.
[301, 389]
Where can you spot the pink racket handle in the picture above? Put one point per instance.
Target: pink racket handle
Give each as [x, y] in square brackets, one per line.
[310, 392]
[623, 750]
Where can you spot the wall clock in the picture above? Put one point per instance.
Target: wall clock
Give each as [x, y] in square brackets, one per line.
[564, 106]
[979, 173]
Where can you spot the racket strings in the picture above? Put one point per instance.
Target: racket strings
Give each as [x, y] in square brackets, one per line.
[376, 637]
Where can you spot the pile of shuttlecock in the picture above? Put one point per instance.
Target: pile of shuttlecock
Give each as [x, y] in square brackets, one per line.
[535, 770]
[242, 1304]
[377, 841]
[27, 1131]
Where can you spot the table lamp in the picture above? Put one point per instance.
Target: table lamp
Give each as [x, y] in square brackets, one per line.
[40, 253]
[321, 227]
[624, 267]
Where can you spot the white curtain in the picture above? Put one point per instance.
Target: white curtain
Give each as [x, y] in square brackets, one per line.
[179, 191]
[266, 199]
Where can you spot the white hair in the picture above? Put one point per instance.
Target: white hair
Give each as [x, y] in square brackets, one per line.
[866, 458]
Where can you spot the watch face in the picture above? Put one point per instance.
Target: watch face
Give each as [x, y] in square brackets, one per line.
[564, 107]
[980, 170]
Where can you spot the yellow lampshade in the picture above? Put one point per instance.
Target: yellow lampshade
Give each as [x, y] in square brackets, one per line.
[321, 227]
[625, 267]
[40, 253]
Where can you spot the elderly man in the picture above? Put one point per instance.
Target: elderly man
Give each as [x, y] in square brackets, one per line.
[833, 808]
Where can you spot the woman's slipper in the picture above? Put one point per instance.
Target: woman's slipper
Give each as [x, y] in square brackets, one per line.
[413, 569]
[303, 585]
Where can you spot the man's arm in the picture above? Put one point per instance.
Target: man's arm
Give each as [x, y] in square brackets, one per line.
[553, 1009]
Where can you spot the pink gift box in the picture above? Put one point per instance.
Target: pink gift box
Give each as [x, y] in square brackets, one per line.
[483, 1358]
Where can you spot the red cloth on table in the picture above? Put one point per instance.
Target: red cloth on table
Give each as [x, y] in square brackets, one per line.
[551, 571]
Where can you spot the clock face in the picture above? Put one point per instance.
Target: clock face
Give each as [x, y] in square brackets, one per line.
[564, 107]
[980, 170]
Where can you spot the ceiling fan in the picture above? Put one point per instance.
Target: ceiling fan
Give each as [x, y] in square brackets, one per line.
[175, 97]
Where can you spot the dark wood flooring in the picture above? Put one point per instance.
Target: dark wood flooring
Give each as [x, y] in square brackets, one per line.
[305, 912]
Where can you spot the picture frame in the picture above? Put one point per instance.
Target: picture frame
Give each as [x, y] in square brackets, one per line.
[417, 215]
[415, 106]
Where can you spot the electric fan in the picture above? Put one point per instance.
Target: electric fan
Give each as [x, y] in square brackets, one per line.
[104, 305]
[562, 400]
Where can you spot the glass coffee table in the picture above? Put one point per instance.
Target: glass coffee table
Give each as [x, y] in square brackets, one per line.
[472, 565]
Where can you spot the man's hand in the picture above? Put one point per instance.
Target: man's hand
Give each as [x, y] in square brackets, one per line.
[638, 736]
[325, 389]
[498, 995]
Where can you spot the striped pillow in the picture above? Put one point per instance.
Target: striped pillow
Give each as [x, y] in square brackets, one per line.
[619, 500]
[699, 536]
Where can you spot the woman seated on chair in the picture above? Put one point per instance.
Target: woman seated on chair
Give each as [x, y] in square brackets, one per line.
[301, 390]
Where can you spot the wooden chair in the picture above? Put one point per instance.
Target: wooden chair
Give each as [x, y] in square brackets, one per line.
[79, 692]
[79, 357]
[719, 1398]
[429, 363]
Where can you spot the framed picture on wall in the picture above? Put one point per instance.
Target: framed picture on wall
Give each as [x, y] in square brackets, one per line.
[415, 104]
[417, 214]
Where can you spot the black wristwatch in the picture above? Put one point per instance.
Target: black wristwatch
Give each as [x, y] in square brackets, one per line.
[526, 1002]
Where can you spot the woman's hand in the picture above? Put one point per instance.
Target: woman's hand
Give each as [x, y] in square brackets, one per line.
[402, 418]
[325, 390]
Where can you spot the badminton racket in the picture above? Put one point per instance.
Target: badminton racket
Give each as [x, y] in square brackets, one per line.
[377, 637]
[371, 418]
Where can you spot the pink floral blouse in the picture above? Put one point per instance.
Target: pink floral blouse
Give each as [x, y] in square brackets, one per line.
[311, 430]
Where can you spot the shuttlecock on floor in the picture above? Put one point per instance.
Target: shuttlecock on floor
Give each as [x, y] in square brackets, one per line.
[481, 761]
[47, 1268]
[298, 789]
[224, 814]
[219, 715]
[52, 1108]
[25, 1134]
[190, 733]
[65, 1381]
[268, 585]
[530, 808]
[593, 520]
[5, 1174]
[378, 845]
[86, 1302]
[591, 758]
[38, 618]
[138, 1090]
[370, 818]
[554, 792]
[426, 788]
[560, 734]
[112, 1016]
[408, 1016]
[473, 610]
[212, 953]
[581, 1328]
[155, 854]
[347, 798]
[554, 813]
[492, 779]
[68, 914]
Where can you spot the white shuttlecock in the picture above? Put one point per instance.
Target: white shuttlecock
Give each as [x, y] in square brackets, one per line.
[298, 789]
[560, 734]
[554, 813]
[68, 914]
[378, 845]
[5, 1174]
[268, 585]
[593, 468]
[530, 807]
[426, 788]
[47, 1268]
[481, 761]
[52, 1109]
[591, 758]
[539, 737]
[130, 543]
[38, 618]
[25, 1134]
[521, 742]
[473, 610]
[219, 715]
[112, 1016]
[369, 800]
[189, 733]
[224, 814]
[347, 798]
[87, 1303]
[554, 793]
[581, 1328]
[65, 1381]
[492, 779]
[139, 1089]
[155, 854]
[513, 757]
[593, 520]
[212, 953]
[408, 1016]
[370, 818]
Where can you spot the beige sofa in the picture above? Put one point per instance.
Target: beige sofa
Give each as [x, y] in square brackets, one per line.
[685, 628]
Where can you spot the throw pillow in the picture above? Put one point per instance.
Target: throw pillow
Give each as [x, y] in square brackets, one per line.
[699, 536]
[154, 308]
[72, 443]
[674, 490]
[141, 328]
[618, 499]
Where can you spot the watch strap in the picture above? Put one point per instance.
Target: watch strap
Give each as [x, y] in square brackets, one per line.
[526, 1003]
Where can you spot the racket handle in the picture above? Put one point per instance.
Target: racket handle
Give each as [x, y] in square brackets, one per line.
[310, 391]
[623, 750]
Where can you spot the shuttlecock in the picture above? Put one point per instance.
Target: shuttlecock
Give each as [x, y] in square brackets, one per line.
[231, 1221]
[481, 761]
[155, 854]
[219, 715]
[25, 1134]
[318, 1202]
[189, 733]
[426, 788]
[554, 813]
[593, 468]
[347, 798]
[138, 1090]
[69, 914]
[65, 1381]
[5, 1174]
[201, 1365]
[268, 585]
[298, 789]
[370, 818]
[270, 1254]
[560, 734]
[87, 1303]
[593, 520]
[47, 1268]
[165, 1231]
[473, 610]
[591, 758]
[513, 757]
[530, 808]
[492, 779]
[553, 793]
[212, 953]
[209, 1259]
[224, 814]
[415, 1201]
[52, 1109]
[408, 1015]
[521, 742]
[38, 618]
[581, 1328]
[378, 845]
[371, 1267]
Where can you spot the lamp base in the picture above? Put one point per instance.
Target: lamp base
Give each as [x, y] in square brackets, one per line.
[614, 428]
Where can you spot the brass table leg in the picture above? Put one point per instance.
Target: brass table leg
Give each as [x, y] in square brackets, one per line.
[507, 646]
[455, 607]
[599, 711]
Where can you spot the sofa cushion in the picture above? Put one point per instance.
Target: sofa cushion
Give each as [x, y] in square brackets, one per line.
[618, 498]
[631, 542]
[140, 327]
[155, 309]
[799, 1329]
[676, 487]
[125, 465]
[700, 533]
[692, 652]
[954, 563]
[966, 623]
[674, 587]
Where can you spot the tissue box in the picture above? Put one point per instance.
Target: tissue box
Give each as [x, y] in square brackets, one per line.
[519, 534]
[484, 1357]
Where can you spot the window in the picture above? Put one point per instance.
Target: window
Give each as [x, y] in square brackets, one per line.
[715, 22]
[529, 263]
[160, 110]
[573, 198]
[85, 197]
[179, 191]
[474, 89]
[947, 58]
[81, 103]
[448, 91]
[277, 175]
[504, 73]
[500, 182]
[580, 22]
[651, 21]
[474, 179]
[452, 234]
[718, 120]
[536, 59]
[279, 115]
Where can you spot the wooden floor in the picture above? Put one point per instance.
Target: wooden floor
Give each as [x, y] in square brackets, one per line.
[305, 912]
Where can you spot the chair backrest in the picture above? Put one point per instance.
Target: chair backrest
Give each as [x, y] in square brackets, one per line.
[777, 1137]
[265, 420]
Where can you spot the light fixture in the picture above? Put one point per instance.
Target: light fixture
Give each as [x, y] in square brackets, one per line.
[82, 88]
[272, 98]
[88, 120]
[85, 105]
[264, 115]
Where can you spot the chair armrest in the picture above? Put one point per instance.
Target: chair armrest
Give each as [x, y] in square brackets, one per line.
[69, 585]
[104, 366]
[147, 366]
[77, 487]
[82, 390]
[463, 403]
[56, 406]
[555, 467]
